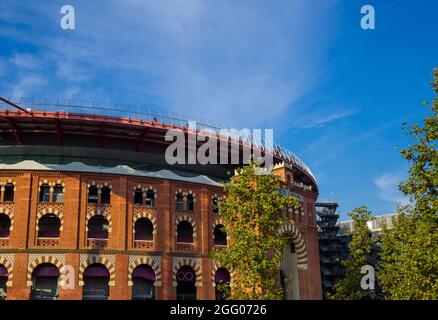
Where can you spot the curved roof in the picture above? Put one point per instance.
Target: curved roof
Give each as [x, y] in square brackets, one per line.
[120, 121]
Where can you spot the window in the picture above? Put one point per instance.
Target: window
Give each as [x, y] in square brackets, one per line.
[45, 193]
[150, 196]
[222, 281]
[143, 280]
[48, 226]
[98, 227]
[184, 232]
[58, 193]
[3, 280]
[179, 202]
[5, 225]
[138, 197]
[144, 229]
[45, 282]
[96, 282]
[214, 205]
[9, 193]
[220, 237]
[190, 203]
[186, 284]
[105, 197]
[92, 194]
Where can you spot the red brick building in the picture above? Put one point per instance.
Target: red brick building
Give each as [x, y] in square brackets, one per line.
[90, 210]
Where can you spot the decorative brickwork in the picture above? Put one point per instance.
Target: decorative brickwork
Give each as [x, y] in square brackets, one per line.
[7, 260]
[35, 259]
[109, 261]
[153, 261]
[195, 263]
[189, 219]
[290, 230]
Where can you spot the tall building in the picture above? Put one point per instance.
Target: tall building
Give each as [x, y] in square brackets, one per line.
[330, 247]
[91, 209]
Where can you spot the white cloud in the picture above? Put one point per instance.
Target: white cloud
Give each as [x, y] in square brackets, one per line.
[242, 63]
[387, 185]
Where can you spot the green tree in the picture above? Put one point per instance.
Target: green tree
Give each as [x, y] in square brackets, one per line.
[409, 268]
[252, 211]
[360, 249]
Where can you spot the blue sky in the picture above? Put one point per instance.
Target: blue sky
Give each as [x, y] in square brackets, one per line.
[336, 95]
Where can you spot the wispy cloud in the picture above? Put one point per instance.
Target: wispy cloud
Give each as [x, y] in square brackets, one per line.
[321, 119]
[387, 185]
[238, 62]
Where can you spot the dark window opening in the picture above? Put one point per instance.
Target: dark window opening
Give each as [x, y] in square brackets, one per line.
[143, 280]
[138, 197]
[144, 229]
[45, 193]
[292, 247]
[105, 197]
[222, 281]
[9, 193]
[98, 227]
[3, 281]
[150, 197]
[45, 282]
[96, 282]
[186, 284]
[58, 193]
[48, 226]
[5, 225]
[184, 232]
[179, 202]
[92, 194]
[190, 203]
[220, 237]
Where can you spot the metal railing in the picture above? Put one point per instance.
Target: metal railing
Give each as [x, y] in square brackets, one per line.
[145, 113]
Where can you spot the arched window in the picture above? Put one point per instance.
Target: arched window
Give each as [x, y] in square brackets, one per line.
[222, 281]
[45, 193]
[150, 197]
[144, 229]
[45, 282]
[96, 282]
[138, 197]
[184, 232]
[3, 281]
[98, 227]
[9, 192]
[220, 237]
[105, 197]
[48, 226]
[214, 205]
[92, 194]
[179, 202]
[58, 193]
[186, 283]
[143, 280]
[5, 225]
[190, 203]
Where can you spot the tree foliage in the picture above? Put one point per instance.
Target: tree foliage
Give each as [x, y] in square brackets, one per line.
[360, 249]
[252, 212]
[409, 268]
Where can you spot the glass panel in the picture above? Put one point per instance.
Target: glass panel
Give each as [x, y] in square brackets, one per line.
[58, 193]
[44, 193]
